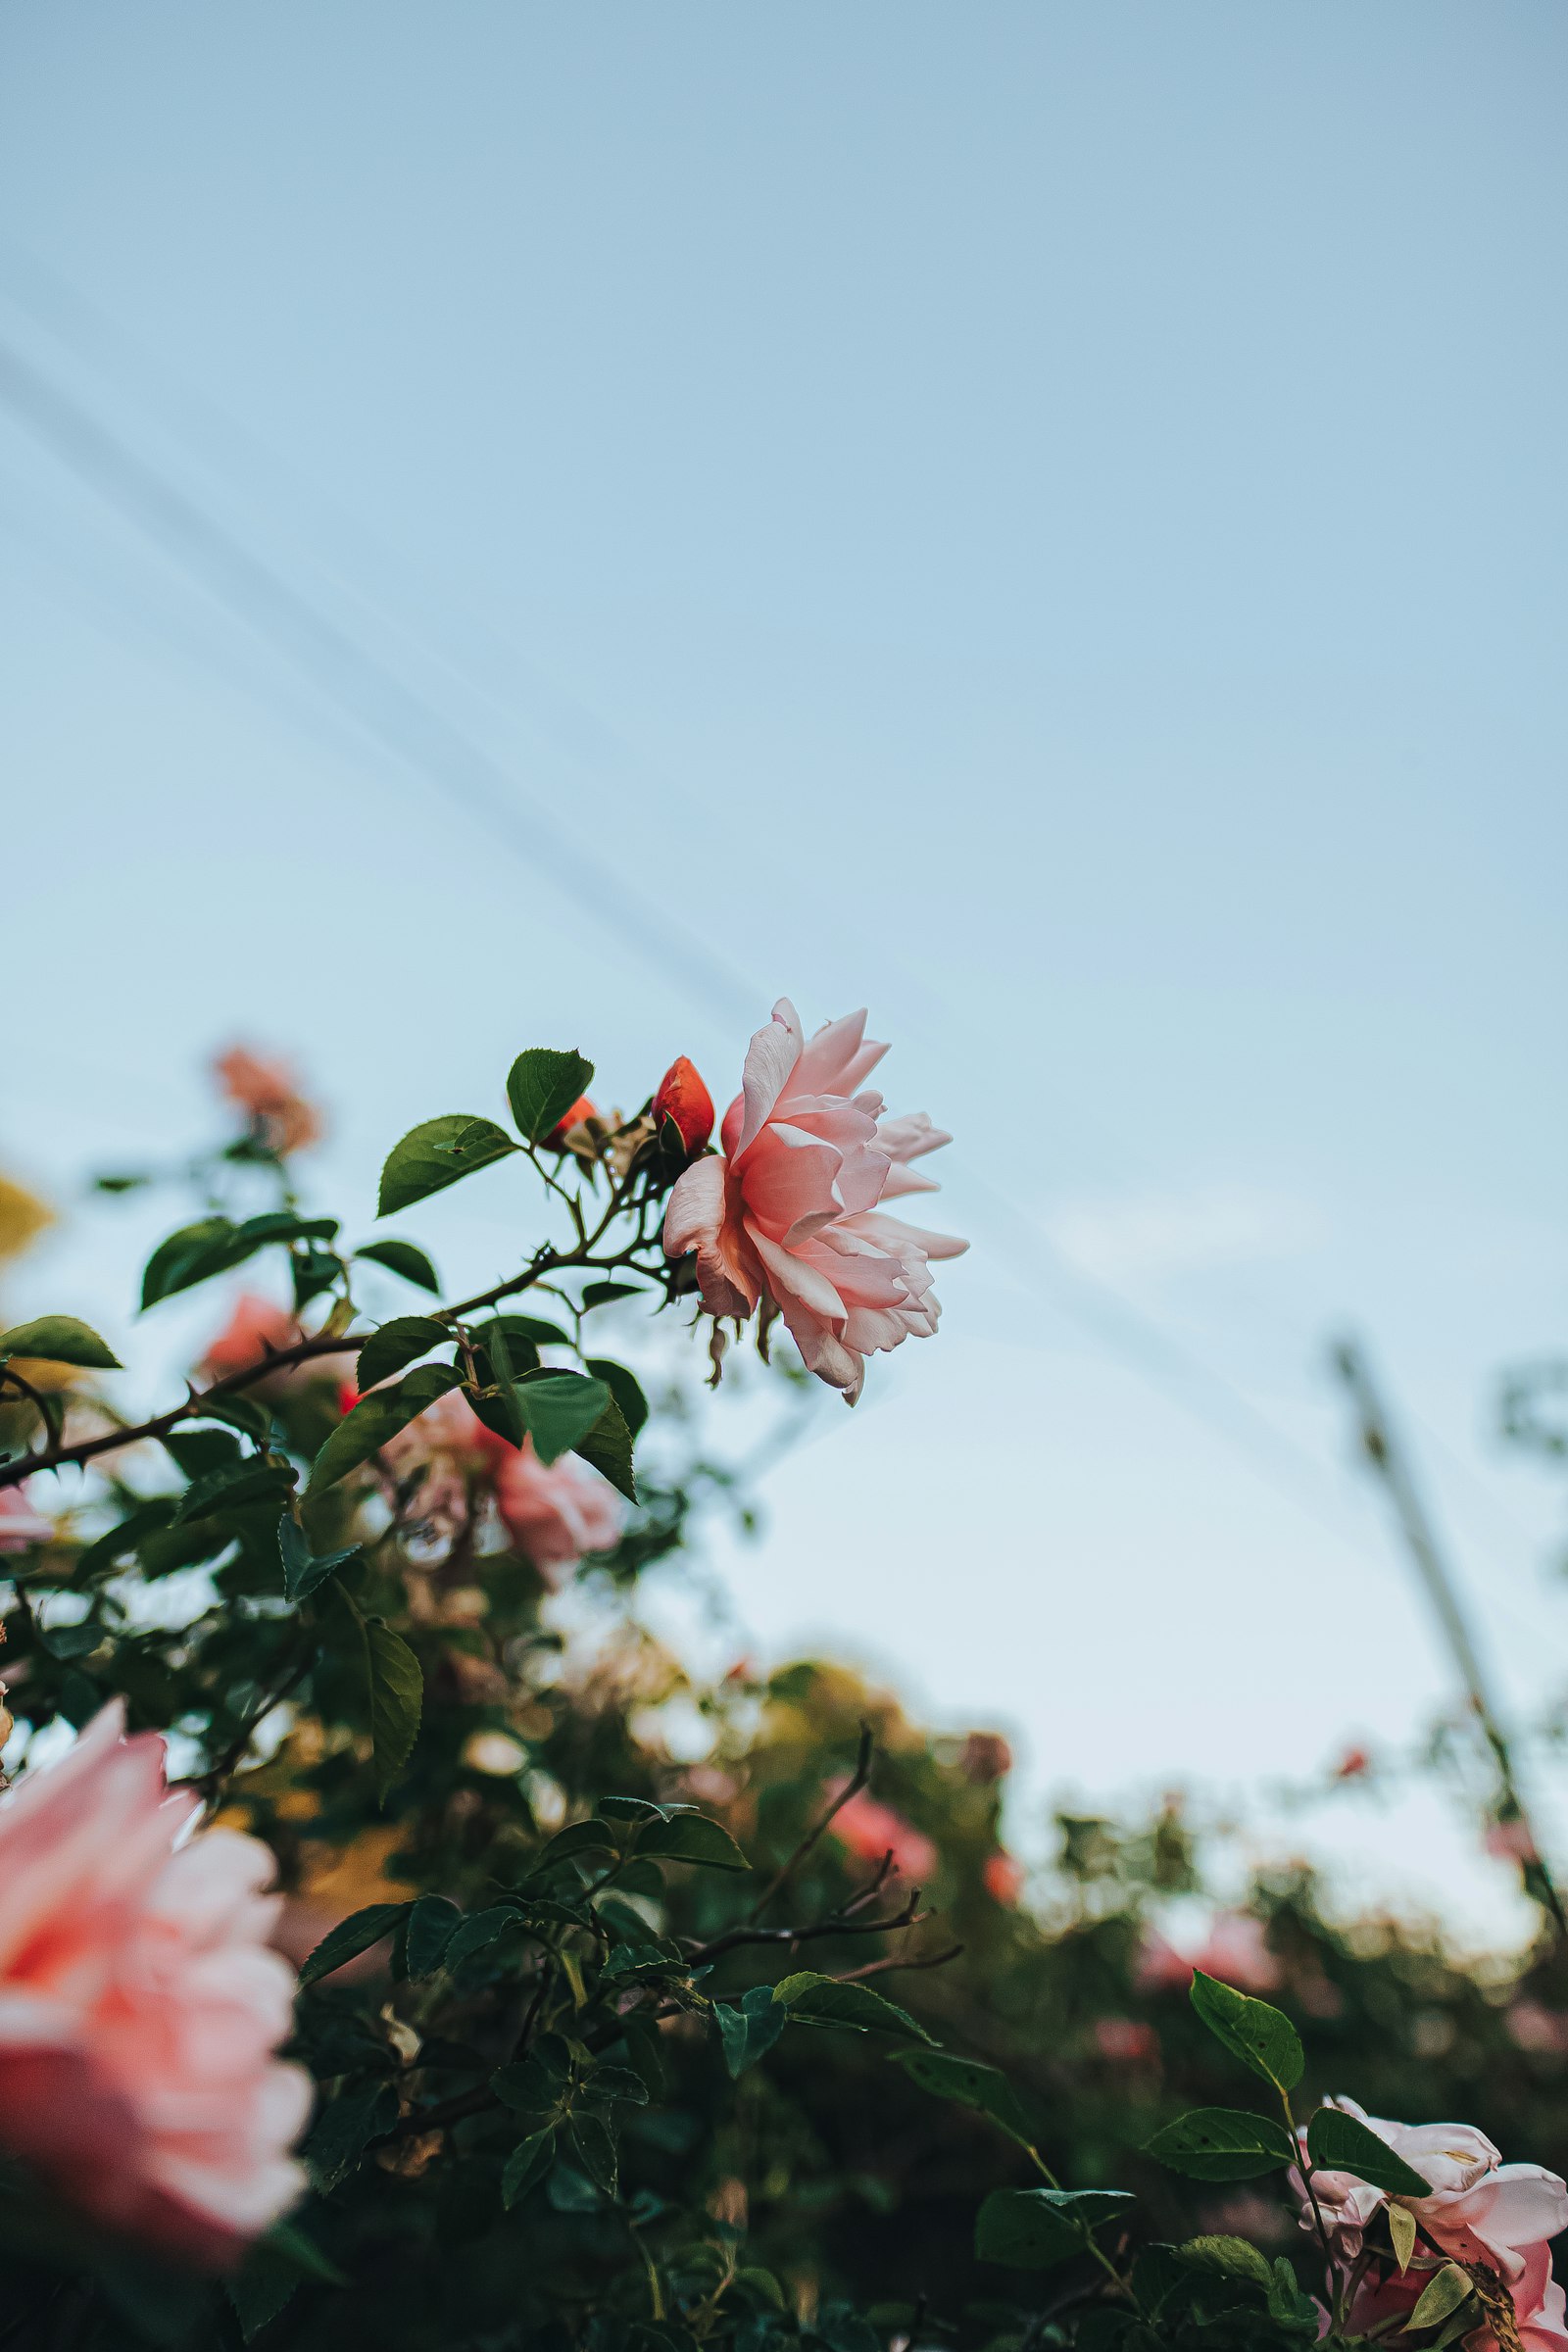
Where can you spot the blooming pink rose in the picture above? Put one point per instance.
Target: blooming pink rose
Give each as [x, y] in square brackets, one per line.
[870, 1830]
[555, 1512]
[139, 2007]
[790, 1212]
[20, 1526]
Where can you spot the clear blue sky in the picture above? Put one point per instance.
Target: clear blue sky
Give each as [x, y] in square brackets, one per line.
[1045, 519]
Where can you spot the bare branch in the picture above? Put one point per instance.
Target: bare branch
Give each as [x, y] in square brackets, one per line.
[852, 1787]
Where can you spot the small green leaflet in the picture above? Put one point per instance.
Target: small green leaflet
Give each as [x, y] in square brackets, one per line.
[542, 1087]
[433, 1924]
[561, 1408]
[607, 1447]
[402, 1257]
[526, 2165]
[397, 1698]
[624, 1387]
[234, 1487]
[1261, 2037]
[972, 2084]
[1221, 2143]
[749, 2032]
[350, 1938]
[1232, 2257]
[692, 1837]
[1035, 2229]
[821, 2001]
[344, 2129]
[395, 1344]
[1448, 2289]
[376, 1419]
[302, 1571]
[1337, 2143]
[437, 1153]
[60, 1340]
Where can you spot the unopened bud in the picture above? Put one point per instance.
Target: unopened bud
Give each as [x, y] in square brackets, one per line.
[582, 1109]
[685, 1101]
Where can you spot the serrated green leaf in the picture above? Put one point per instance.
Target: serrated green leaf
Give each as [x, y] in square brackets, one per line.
[396, 1343]
[190, 1255]
[526, 2165]
[1233, 2257]
[607, 1447]
[1336, 2143]
[749, 2029]
[559, 1409]
[376, 1419]
[823, 2001]
[577, 1838]
[1261, 2037]
[350, 1938]
[345, 2128]
[106, 1549]
[970, 2084]
[60, 1340]
[1222, 2144]
[402, 1258]
[541, 1088]
[1035, 2229]
[433, 1924]
[624, 1387]
[479, 1931]
[692, 1837]
[437, 1153]
[304, 1571]
[397, 1698]
[236, 1485]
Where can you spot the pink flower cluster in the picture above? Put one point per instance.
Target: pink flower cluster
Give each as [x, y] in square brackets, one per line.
[139, 2006]
[1481, 2210]
[871, 1831]
[792, 1212]
[556, 1513]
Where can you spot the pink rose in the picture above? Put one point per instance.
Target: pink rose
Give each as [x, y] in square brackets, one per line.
[555, 1512]
[139, 2007]
[268, 1094]
[20, 1526]
[1126, 2039]
[1235, 1950]
[255, 1328]
[1002, 1876]
[870, 1830]
[790, 1212]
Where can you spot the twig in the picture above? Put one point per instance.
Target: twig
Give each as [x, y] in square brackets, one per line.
[852, 1787]
[886, 1967]
[735, 1939]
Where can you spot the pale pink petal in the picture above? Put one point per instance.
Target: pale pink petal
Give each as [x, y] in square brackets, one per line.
[769, 1061]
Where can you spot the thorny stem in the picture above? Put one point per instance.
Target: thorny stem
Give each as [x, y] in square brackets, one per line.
[852, 1787]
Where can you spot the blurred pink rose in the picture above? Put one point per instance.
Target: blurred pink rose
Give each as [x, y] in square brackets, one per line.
[555, 1512]
[1235, 1950]
[1002, 1877]
[20, 1526]
[1127, 2040]
[1481, 2210]
[1510, 1841]
[257, 1327]
[267, 1090]
[869, 1830]
[139, 2009]
[790, 1212]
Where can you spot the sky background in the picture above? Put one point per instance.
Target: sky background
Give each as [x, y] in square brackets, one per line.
[1047, 520]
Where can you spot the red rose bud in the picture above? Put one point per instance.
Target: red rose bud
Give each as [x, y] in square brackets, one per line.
[686, 1102]
[582, 1109]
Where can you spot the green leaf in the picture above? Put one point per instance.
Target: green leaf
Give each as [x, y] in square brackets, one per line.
[577, 1838]
[561, 1408]
[397, 1698]
[542, 1087]
[1221, 2143]
[343, 2131]
[1035, 2229]
[234, 1487]
[1232, 2257]
[433, 1924]
[692, 1837]
[188, 1255]
[292, 2245]
[1261, 2037]
[106, 1549]
[437, 1153]
[823, 2001]
[476, 1932]
[378, 1418]
[402, 1257]
[607, 1446]
[501, 1413]
[1336, 2143]
[749, 2032]
[302, 1571]
[1450, 2287]
[526, 2165]
[532, 1331]
[624, 1387]
[972, 2084]
[350, 1938]
[595, 2144]
[60, 1340]
[395, 1344]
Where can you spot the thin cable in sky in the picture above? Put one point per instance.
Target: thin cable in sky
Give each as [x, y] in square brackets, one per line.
[425, 739]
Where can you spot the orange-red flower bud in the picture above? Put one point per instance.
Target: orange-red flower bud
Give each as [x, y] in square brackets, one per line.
[683, 1099]
[582, 1109]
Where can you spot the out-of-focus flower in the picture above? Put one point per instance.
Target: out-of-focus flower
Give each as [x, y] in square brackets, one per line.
[1126, 2039]
[1001, 1877]
[562, 1136]
[1533, 2026]
[1235, 1950]
[1481, 2210]
[986, 1757]
[255, 1328]
[20, 1526]
[1354, 1764]
[1512, 1840]
[869, 1830]
[790, 1214]
[555, 1512]
[139, 2007]
[267, 1090]
[494, 1752]
[685, 1101]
